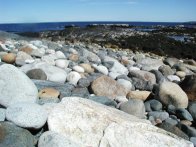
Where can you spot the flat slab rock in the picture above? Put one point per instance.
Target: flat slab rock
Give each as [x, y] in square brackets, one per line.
[97, 125]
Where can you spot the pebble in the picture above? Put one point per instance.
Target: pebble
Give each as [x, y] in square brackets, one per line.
[62, 63]
[159, 115]
[60, 55]
[142, 95]
[27, 115]
[166, 70]
[173, 78]
[126, 84]
[49, 59]
[87, 68]
[74, 57]
[102, 69]
[37, 74]
[73, 77]
[117, 66]
[155, 105]
[192, 109]
[134, 107]
[183, 114]
[9, 58]
[181, 74]
[78, 69]
[48, 93]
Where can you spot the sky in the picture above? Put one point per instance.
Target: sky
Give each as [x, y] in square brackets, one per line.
[20, 11]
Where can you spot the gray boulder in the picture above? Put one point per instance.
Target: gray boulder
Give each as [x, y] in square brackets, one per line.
[15, 86]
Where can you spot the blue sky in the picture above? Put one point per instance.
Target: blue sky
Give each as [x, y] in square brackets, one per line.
[14, 11]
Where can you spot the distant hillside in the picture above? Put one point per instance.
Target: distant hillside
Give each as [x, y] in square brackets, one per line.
[190, 23]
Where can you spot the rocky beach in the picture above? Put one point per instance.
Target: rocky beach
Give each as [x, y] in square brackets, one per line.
[99, 86]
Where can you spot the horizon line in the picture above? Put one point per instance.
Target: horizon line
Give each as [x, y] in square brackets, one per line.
[94, 21]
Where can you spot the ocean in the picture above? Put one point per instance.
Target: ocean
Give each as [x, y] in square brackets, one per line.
[37, 27]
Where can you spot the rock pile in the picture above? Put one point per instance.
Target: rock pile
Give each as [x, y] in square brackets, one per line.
[57, 94]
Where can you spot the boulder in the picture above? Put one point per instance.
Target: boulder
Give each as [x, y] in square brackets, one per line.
[2, 114]
[53, 139]
[106, 86]
[27, 115]
[13, 136]
[98, 125]
[171, 93]
[15, 86]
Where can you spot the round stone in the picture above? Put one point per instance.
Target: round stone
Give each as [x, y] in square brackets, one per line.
[22, 57]
[159, 115]
[9, 58]
[134, 107]
[59, 55]
[27, 115]
[37, 74]
[62, 63]
[49, 93]
[106, 86]
[87, 68]
[13, 136]
[53, 139]
[74, 57]
[78, 69]
[102, 69]
[181, 74]
[173, 78]
[15, 86]
[73, 77]
[171, 93]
